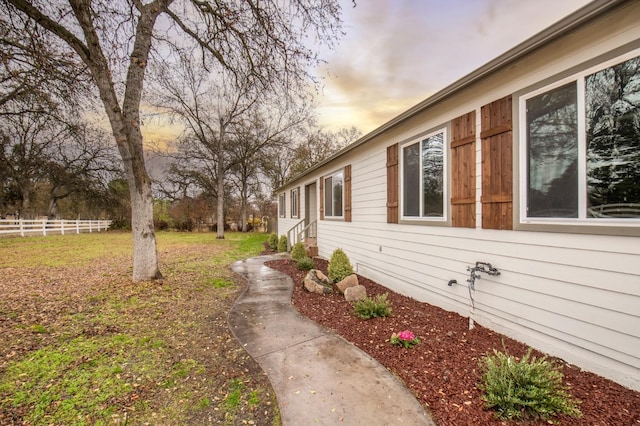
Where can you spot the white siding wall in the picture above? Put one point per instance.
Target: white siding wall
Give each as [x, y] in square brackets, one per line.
[573, 295]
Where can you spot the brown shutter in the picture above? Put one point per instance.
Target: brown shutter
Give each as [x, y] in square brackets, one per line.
[321, 197]
[497, 165]
[463, 171]
[392, 184]
[347, 193]
[299, 197]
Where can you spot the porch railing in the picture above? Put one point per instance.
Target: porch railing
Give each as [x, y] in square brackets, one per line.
[292, 234]
[309, 231]
[300, 232]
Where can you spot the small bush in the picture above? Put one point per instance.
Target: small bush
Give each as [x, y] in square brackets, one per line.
[339, 266]
[184, 225]
[372, 308]
[298, 252]
[282, 243]
[273, 241]
[530, 387]
[305, 264]
[160, 225]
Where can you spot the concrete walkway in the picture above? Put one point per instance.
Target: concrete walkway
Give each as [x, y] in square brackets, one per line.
[318, 377]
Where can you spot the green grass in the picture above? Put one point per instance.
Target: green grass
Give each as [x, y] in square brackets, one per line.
[72, 383]
[63, 250]
[232, 400]
[70, 250]
[96, 360]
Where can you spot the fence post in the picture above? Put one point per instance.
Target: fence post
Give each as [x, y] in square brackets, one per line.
[21, 228]
[77, 226]
[62, 223]
[44, 228]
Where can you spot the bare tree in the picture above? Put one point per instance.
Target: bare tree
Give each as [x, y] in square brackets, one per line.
[259, 131]
[27, 139]
[318, 144]
[210, 110]
[263, 38]
[36, 71]
[77, 162]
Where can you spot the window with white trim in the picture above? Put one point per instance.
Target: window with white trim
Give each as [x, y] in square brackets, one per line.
[423, 177]
[294, 203]
[581, 157]
[282, 205]
[334, 195]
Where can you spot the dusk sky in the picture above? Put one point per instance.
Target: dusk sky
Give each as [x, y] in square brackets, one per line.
[397, 53]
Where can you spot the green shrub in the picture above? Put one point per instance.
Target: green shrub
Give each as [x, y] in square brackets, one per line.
[298, 252]
[372, 308]
[273, 241]
[282, 243]
[530, 387]
[305, 264]
[339, 266]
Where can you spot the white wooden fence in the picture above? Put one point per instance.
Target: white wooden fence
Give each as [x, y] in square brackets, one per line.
[24, 227]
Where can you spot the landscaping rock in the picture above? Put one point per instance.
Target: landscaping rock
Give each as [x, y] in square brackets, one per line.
[350, 281]
[322, 277]
[316, 282]
[358, 292]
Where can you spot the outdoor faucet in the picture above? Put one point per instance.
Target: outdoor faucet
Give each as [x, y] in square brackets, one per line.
[474, 272]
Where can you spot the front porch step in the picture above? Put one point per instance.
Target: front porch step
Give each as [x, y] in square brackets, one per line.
[311, 247]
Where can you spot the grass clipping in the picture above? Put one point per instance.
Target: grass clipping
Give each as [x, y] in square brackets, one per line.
[525, 388]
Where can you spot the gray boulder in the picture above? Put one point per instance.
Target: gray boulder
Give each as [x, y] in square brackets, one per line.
[316, 282]
[350, 281]
[358, 292]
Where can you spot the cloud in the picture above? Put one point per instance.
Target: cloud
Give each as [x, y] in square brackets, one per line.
[398, 52]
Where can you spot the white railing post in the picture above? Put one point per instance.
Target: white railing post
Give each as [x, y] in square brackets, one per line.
[21, 228]
[77, 226]
[44, 228]
[62, 223]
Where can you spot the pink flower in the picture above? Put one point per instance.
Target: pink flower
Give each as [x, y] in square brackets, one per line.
[406, 335]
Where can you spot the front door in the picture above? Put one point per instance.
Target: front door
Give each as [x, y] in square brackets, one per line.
[310, 203]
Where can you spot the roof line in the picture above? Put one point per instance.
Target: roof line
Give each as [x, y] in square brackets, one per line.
[576, 19]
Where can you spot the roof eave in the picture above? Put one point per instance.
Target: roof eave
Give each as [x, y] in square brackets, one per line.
[575, 20]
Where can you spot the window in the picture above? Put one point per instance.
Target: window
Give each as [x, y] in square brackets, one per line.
[582, 154]
[294, 203]
[281, 205]
[333, 194]
[423, 177]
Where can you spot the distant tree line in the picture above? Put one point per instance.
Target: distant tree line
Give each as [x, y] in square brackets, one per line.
[235, 75]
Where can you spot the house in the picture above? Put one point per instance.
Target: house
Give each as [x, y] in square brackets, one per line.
[530, 164]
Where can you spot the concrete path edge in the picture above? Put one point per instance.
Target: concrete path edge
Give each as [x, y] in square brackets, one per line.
[318, 377]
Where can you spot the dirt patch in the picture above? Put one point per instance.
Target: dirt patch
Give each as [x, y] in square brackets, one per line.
[442, 371]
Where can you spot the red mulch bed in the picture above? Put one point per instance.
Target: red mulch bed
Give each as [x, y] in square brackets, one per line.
[442, 371]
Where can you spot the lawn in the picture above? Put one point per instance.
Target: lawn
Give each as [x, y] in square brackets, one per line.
[82, 344]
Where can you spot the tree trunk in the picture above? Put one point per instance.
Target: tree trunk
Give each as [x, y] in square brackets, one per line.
[25, 205]
[145, 254]
[243, 206]
[220, 204]
[220, 177]
[52, 211]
